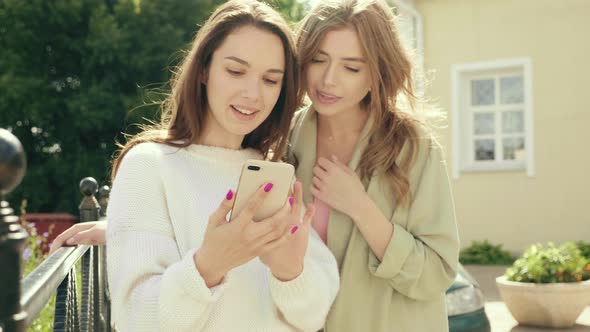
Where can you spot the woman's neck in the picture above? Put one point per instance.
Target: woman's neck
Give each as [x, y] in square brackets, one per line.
[343, 125]
[214, 134]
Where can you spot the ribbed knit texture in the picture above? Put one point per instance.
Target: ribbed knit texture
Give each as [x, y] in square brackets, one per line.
[159, 208]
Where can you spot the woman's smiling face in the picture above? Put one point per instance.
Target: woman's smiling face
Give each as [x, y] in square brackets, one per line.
[244, 81]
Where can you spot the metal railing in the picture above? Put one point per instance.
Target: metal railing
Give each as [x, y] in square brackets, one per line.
[21, 301]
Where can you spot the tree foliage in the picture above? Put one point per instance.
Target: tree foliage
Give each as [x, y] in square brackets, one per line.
[74, 74]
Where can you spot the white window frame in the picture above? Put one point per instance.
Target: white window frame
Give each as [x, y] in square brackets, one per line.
[462, 132]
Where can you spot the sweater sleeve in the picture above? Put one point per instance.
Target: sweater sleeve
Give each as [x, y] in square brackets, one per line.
[153, 286]
[421, 258]
[306, 300]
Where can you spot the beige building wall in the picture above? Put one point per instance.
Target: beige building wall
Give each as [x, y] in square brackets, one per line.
[509, 207]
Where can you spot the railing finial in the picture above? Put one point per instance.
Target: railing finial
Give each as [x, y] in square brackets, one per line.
[89, 208]
[13, 163]
[103, 199]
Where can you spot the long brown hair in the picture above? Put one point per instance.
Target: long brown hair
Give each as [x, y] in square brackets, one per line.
[184, 110]
[391, 72]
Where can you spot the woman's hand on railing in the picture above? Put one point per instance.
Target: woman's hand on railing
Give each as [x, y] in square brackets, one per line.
[90, 233]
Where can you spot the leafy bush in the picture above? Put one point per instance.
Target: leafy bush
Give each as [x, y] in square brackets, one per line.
[550, 265]
[36, 248]
[33, 255]
[485, 253]
[584, 248]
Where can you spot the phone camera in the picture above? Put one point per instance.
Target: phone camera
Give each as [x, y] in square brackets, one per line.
[254, 168]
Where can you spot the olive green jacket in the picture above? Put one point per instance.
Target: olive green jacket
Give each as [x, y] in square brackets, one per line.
[406, 291]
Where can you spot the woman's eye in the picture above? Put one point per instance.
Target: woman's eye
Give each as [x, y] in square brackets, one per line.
[235, 72]
[314, 60]
[271, 82]
[354, 70]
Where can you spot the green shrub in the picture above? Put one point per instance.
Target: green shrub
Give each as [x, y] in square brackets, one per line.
[485, 253]
[550, 265]
[33, 255]
[584, 248]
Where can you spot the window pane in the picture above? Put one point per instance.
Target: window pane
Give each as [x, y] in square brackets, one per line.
[484, 149]
[513, 122]
[511, 90]
[482, 92]
[483, 123]
[513, 148]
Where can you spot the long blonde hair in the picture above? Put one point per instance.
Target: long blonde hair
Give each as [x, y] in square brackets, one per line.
[184, 110]
[391, 72]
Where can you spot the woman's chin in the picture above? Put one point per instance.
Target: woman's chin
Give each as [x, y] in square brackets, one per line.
[242, 129]
[327, 111]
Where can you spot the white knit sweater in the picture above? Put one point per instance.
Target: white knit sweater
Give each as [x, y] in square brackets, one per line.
[159, 207]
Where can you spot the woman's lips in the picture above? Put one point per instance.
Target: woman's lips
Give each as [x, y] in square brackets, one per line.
[243, 113]
[327, 98]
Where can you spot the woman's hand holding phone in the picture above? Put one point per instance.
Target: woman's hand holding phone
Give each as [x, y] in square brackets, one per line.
[286, 260]
[227, 245]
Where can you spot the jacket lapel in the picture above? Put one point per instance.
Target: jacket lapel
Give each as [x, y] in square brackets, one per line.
[304, 149]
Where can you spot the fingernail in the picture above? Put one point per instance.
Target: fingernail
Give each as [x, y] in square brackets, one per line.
[268, 187]
[291, 200]
[294, 229]
[229, 195]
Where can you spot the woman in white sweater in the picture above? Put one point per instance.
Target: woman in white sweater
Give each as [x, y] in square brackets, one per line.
[174, 262]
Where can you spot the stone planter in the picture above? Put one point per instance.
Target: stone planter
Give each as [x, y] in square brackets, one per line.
[548, 305]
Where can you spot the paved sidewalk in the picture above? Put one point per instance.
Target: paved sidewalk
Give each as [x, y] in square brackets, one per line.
[499, 316]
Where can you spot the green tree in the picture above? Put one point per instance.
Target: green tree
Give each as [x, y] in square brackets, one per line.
[70, 71]
[292, 10]
[75, 74]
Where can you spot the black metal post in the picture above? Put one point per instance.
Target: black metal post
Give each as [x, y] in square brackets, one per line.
[12, 236]
[101, 276]
[89, 208]
[103, 200]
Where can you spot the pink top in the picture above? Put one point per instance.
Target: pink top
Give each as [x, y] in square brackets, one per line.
[320, 219]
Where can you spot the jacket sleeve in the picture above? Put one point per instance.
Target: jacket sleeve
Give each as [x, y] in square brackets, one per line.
[153, 286]
[421, 258]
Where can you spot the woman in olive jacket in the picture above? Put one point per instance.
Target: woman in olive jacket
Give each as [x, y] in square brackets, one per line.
[375, 174]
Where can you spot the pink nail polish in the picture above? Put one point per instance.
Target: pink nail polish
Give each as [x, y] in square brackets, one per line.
[268, 187]
[294, 229]
[291, 200]
[229, 195]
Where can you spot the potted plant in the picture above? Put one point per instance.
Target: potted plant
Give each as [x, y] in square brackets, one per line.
[547, 286]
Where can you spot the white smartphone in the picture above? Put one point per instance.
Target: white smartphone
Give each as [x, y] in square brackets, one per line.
[256, 173]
